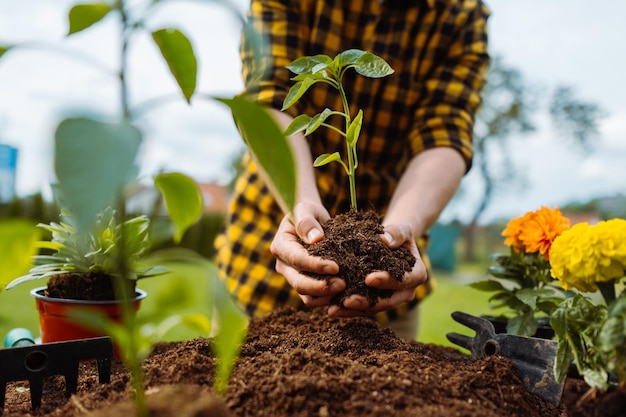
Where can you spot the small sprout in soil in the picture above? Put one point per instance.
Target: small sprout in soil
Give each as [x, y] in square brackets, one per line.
[322, 68]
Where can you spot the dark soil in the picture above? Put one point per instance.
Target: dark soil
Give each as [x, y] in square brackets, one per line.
[90, 286]
[352, 240]
[306, 364]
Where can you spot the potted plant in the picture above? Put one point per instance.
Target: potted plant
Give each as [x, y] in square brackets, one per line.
[82, 269]
[520, 282]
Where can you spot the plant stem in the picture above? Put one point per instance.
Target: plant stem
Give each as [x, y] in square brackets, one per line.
[351, 156]
[124, 62]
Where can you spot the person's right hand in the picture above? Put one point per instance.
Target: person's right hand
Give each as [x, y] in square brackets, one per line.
[292, 259]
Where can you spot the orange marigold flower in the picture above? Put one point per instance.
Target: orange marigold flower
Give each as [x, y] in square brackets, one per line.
[512, 233]
[535, 231]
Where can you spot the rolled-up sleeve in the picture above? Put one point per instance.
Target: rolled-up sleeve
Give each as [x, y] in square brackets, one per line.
[277, 39]
[452, 93]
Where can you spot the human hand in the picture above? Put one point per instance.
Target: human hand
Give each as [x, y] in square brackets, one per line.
[395, 236]
[292, 259]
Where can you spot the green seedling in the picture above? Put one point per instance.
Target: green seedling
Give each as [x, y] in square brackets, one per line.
[321, 68]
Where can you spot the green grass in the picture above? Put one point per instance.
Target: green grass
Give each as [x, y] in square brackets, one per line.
[188, 287]
[451, 293]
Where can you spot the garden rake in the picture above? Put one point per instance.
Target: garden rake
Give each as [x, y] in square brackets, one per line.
[533, 358]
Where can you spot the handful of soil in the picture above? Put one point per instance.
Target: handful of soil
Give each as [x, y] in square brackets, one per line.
[352, 240]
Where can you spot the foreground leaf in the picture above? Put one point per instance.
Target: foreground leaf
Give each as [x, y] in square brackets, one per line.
[268, 146]
[93, 161]
[180, 57]
[82, 16]
[182, 199]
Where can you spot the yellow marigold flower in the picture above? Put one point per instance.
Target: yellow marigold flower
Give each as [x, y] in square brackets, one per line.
[535, 231]
[585, 255]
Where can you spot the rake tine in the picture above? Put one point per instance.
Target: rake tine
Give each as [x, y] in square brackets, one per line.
[461, 340]
[476, 323]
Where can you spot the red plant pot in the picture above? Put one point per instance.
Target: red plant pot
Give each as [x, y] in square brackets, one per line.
[55, 323]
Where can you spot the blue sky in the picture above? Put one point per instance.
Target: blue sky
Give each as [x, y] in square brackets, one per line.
[551, 42]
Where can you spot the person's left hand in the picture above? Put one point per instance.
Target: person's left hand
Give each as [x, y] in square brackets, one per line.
[395, 236]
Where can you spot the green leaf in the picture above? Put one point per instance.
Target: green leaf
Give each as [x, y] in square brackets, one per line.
[370, 65]
[298, 124]
[232, 322]
[316, 77]
[296, 91]
[18, 245]
[347, 57]
[306, 64]
[93, 161]
[562, 361]
[317, 121]
[4, 49]
[523, 325]
[327, 158]
[354, 130]
[180, 57]
[527, 296]
[268, 146]
[487, 285]
[82, 16]
[182, 199]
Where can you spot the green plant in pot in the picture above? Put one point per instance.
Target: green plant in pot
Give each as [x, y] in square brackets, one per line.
[523, 290]
[99, 265]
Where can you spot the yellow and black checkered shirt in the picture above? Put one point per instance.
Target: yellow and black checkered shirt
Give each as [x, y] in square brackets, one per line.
[438, 49]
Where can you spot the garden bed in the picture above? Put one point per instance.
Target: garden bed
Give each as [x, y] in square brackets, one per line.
[305, 364]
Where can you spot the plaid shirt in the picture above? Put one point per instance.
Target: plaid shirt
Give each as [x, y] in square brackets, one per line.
[438, 49]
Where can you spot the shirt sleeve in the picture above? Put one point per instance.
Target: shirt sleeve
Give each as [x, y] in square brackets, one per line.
[276, 40]
[452, 93]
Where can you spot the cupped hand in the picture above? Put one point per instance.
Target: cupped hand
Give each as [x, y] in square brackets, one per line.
[292, 259]
[395, 236]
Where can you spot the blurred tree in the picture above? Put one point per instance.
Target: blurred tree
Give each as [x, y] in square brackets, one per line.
[509, 103]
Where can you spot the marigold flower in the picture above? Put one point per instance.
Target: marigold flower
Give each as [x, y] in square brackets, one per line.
[535, 231]
[585, 255]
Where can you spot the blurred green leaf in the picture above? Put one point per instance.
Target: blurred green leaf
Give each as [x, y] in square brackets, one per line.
[4, 49]
[268, 146]
[18, 245]
[523, 325]
[93, 161]
[183, 200]
[82, 16]
[180, 57]
[487, 285]
[232, 322]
